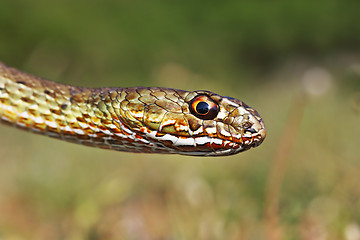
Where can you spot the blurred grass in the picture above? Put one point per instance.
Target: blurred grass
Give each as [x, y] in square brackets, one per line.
[258, 52]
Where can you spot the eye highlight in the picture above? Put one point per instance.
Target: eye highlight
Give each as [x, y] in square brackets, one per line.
[204, 107]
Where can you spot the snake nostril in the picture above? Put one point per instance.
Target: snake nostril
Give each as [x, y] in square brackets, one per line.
[252, 130]
[247, 125]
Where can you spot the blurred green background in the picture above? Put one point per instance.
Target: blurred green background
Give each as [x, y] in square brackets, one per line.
[296, 62]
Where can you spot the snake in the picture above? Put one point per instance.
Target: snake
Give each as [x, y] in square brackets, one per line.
[134, 119]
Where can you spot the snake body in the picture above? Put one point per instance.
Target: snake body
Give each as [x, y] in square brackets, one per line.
[137, 119]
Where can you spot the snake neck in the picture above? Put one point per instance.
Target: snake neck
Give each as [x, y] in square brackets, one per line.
[50, 108]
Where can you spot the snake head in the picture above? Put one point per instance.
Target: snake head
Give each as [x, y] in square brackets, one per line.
[199, 123]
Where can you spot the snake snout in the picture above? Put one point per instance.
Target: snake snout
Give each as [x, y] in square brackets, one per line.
[256, 130]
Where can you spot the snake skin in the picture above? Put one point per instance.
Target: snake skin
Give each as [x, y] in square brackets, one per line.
[139, 119]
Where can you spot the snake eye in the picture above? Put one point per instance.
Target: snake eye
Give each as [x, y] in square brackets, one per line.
[203, 107]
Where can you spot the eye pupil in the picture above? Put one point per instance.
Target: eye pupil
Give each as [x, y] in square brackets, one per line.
[202, 108]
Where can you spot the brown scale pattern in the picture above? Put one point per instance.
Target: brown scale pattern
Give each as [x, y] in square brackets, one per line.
[150, 120]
